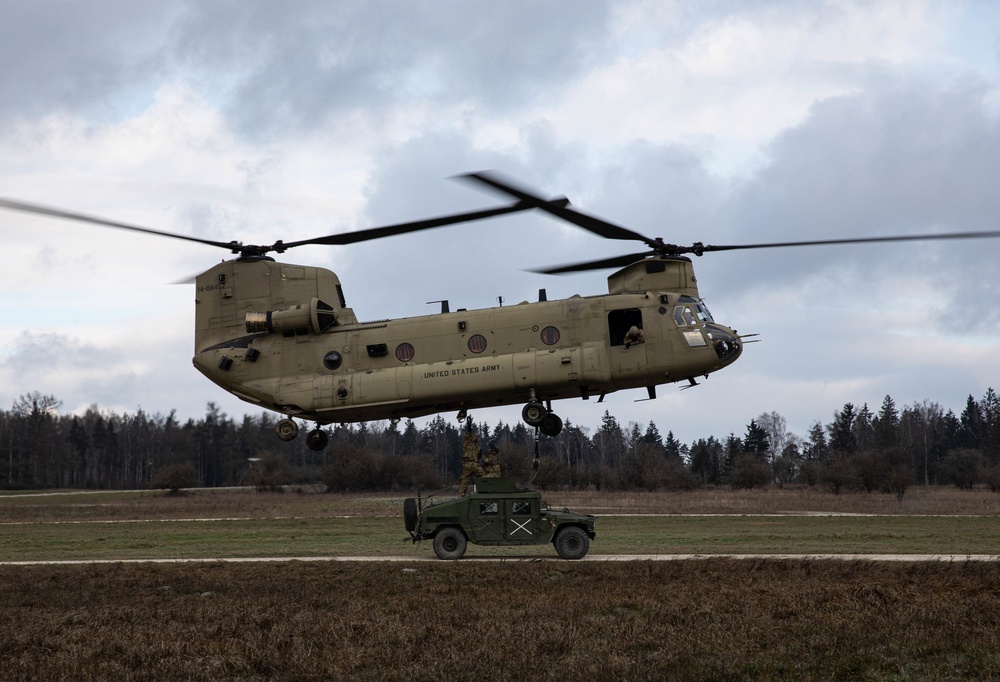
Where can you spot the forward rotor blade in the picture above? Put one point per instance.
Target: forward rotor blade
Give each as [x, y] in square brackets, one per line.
[38, 209]
[403, 228]
[700, 248]
[595, 225]
[613, 262]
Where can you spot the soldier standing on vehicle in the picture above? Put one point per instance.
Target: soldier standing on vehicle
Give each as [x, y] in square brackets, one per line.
[470, 460]
[491, 462]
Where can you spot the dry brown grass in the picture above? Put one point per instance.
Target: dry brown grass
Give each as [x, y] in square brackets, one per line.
[791, 499]
[203, 503]
[311, 503]
[715, 619]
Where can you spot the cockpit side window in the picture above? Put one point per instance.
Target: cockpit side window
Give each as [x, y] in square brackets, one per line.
[683, 316]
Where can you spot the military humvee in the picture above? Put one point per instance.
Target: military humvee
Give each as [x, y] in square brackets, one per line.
[498, 513]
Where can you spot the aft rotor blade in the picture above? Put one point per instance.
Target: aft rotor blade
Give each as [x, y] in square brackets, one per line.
[704, 248]
[403, 228]
[613, 262]
[595, 225]
[38, 209]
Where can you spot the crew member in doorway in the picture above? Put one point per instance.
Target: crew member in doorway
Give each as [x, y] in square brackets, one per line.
[633, 335]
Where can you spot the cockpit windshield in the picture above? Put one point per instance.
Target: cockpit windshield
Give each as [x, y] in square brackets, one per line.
[689, 311]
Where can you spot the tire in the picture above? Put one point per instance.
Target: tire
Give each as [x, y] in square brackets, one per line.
[551, 425]
[410, 514]
[572, 543]
[286, 429]
[533, 413]
[450, 543]
[317, 440]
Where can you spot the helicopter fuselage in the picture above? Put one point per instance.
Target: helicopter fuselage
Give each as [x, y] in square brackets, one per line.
[280, 336]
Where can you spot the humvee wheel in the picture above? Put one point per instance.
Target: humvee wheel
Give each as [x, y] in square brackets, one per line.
[410, 514]
[572, 543]
[450, 543]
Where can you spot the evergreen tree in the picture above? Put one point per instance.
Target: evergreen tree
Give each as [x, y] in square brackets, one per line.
[732, 450]
[609, 441]
[652, 435]
[886, 425]
[990, 405]
[971, 433]
[673, 448]
[842, 431]
[864, 432]
[409, 442]
[816, 449]
[756, 443]
[707, 460]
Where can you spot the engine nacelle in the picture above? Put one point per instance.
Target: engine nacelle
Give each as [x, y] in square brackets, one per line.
[316, 317]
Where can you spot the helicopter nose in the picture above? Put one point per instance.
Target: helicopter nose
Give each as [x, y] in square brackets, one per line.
[725, 342]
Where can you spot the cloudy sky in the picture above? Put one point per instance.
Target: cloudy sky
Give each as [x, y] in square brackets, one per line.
[720, 122]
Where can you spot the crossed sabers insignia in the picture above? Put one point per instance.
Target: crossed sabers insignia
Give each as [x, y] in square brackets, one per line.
[521, 526]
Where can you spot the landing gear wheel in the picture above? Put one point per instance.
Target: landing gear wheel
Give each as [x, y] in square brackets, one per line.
[286, 429]
[317, 439]
[450, 543]
[551, 425]
[572, 543]
[533, 413]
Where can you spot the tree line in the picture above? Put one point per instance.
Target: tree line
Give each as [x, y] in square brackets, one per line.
[887, 450]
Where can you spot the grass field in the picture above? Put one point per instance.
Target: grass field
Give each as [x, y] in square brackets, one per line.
[711, 619]
[384, 536]
[241, 523]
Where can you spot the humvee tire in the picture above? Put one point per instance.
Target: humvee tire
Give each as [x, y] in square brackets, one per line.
[410, 514]
[450, 543]
[572, 543]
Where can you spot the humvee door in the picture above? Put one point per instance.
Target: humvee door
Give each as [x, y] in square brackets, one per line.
[521, 521]
[487, 525]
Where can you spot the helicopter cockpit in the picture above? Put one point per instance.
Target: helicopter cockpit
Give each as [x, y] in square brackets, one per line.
[692, 313]
[689, 311]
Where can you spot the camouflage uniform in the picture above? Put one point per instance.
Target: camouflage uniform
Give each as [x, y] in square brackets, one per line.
[634, 336]
[491, 465]
[470, 460]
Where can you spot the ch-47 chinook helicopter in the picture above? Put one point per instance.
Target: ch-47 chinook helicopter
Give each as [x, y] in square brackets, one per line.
[280, 336]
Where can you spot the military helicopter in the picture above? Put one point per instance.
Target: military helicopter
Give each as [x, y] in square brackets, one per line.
[281, 336]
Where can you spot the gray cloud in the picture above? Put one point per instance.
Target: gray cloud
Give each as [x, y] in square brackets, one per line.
[34, 353]
[288, 70]
[276, 69]
[86, 58]
[903, 156]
